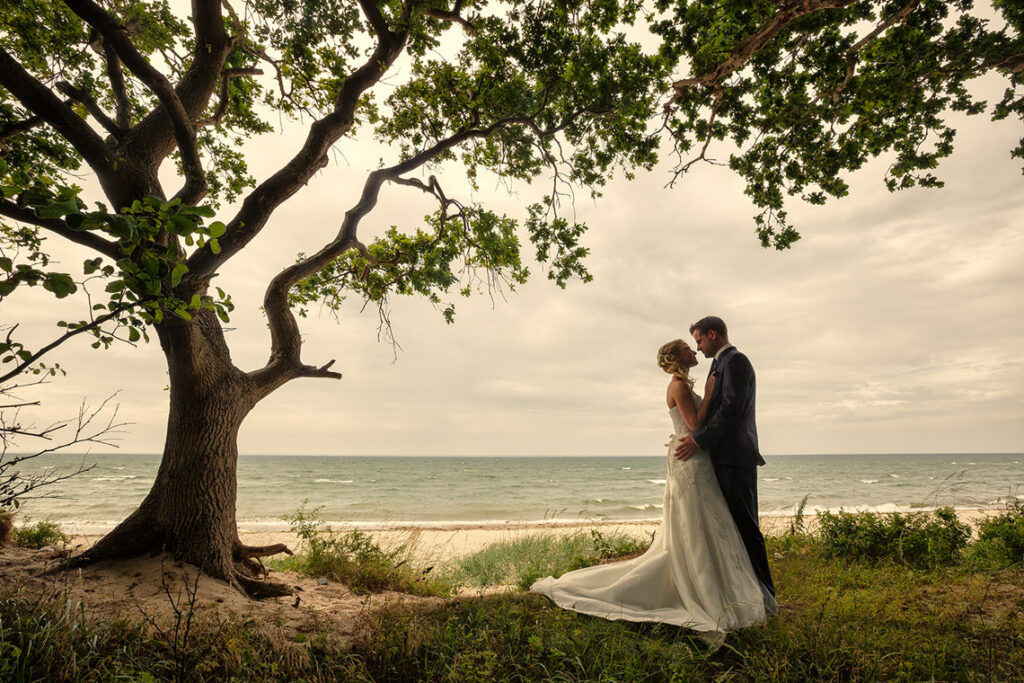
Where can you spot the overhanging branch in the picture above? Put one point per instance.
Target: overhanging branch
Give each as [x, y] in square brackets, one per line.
[59, 227]
[851, 54]
[65, 337]
[260, 204]
[41, 101]
[92, 107]
[286, 341]
[744, 50]
[453, 15]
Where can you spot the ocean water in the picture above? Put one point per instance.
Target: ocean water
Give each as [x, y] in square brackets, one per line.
[381, 491]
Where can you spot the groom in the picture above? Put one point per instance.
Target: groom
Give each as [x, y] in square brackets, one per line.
[729, 435]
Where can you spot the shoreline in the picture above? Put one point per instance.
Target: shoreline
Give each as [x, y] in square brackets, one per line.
[441, 543]
[770, 520]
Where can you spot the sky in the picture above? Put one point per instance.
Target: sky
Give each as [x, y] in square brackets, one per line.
[895, 325]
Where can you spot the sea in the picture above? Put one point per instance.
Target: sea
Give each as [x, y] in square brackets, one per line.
[439, 491]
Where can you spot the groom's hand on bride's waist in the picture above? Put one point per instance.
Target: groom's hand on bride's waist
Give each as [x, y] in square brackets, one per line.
[686, 448]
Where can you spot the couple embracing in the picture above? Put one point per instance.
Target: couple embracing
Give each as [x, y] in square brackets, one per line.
[707, 568]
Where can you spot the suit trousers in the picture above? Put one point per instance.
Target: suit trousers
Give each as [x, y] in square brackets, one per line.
[739, 486]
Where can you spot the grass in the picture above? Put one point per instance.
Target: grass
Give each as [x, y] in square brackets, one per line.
[521, 561]
[354, 559]
[845, 616]
[39, 535]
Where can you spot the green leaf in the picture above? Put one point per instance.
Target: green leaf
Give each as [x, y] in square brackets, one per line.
[177, 272]
[57, 208]
[214, 246]
[217, 229]
[60, 284]
[133, 334]
[182, 224]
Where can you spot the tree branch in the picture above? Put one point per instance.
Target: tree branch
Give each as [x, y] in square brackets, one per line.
[116, 77]
[376, 19]
[40, 100]
[93, 108]
[115, 35]
[851, 54]
[261, 202]
[744, 50]
[21, 127]
[59, 227]
[453, 15]
[222, 106]
[286, 342]
[65, 337]
[719, 95]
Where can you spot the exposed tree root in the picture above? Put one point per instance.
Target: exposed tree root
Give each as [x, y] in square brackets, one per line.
[250, 551]
[252, 578]
[255, 588]
[245, 572]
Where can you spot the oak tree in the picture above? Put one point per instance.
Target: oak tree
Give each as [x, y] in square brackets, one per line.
[124, 88]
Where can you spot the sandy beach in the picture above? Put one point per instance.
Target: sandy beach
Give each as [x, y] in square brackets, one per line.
[438, 544]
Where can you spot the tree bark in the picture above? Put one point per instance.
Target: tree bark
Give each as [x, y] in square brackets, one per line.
[190, 510]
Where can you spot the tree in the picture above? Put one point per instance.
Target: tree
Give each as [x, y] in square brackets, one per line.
[124, 86]
[528, 88]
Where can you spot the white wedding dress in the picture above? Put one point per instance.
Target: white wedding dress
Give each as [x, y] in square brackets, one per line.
[696, 574]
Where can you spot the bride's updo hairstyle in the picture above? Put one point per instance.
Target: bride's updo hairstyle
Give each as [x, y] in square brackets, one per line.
[670, 359]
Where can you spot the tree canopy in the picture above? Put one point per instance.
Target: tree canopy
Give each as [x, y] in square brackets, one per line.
[800, 91]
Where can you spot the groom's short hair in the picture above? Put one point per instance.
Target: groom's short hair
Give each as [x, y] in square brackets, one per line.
[710, 323]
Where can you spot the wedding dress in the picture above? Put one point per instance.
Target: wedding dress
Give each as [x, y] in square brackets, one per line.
[696, 574]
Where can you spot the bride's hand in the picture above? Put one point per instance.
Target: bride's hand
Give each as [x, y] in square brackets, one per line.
[709, 386]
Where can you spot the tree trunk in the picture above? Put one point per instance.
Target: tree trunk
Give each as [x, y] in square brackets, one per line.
[190, 511]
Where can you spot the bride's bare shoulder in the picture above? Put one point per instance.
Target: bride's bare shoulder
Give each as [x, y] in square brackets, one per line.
[679, 392]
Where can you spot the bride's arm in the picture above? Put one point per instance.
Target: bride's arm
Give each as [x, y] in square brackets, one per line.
[702, 412]
[680, 394]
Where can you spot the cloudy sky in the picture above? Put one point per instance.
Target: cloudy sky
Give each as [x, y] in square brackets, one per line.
[896, 325]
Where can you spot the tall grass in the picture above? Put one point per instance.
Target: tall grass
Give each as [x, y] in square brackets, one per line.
[521, 561]
[356, 560]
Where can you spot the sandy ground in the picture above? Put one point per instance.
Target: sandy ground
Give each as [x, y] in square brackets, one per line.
[152, 588]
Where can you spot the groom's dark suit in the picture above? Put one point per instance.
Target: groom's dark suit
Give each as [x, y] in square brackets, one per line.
[729, 435]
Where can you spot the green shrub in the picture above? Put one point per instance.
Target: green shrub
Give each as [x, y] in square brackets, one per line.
[921, 539]
[1001, 538]
[355, 559]
[39, 535]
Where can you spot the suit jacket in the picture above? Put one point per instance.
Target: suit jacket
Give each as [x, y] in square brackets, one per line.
[729, 433]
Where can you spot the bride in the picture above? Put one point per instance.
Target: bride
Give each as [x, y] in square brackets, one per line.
[696, 574]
